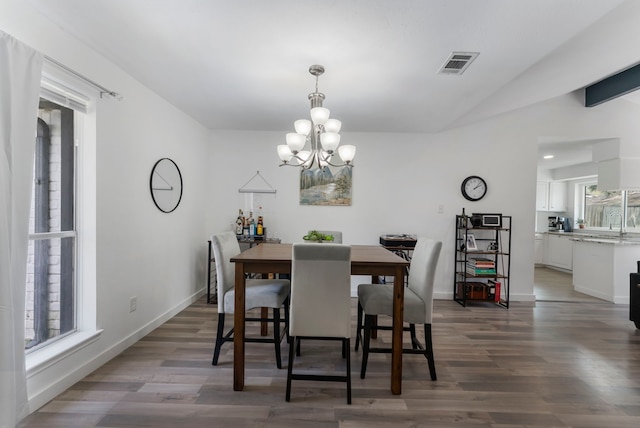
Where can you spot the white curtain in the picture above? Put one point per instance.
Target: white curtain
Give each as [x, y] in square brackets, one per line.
[20, 72]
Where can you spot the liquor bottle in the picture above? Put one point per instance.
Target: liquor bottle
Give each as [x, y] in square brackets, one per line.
[252, 224]
[260, 227]
[245, 226]
[239, 223]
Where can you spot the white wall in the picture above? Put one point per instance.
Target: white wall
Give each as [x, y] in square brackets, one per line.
[139, 251]
[400, 181]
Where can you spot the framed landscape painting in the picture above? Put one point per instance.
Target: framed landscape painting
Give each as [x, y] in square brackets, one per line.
[326, 186]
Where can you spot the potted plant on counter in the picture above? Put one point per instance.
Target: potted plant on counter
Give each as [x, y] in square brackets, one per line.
[581, 223]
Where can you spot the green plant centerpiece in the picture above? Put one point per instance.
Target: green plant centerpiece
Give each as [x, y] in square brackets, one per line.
[316, 236]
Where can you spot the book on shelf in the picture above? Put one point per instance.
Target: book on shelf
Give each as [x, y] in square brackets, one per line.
[479, 266]
[494, 287]
[481, 263]
[473, 271]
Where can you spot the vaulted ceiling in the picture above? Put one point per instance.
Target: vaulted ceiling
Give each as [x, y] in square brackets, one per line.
[243, 64]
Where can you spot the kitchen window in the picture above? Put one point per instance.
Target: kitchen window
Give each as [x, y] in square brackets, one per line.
[608, 209]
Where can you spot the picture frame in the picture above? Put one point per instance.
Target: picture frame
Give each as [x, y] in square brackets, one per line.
[471, 242]
[328, 186]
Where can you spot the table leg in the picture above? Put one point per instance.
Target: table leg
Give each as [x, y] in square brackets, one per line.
[264, 325]
[239, 329]
[375, 279]
[264, 314]
[396, 338]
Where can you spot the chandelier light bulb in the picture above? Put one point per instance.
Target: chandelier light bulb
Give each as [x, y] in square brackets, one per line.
[284, 152]
[319, 115]
[304, 156]
[302, 126]
[347, 152]
[296, 141]
[330, 141]
[332, 125]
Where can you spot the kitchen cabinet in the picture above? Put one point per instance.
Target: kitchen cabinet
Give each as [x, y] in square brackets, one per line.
[538, 251]
[559, 251]
[551, 196]
[542, 196]
[557, 196]
[601, 269]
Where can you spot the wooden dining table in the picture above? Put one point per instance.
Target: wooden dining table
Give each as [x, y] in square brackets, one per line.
[371, 260]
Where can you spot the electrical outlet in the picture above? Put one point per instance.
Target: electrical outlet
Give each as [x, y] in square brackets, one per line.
[133, 304]
[440, 209]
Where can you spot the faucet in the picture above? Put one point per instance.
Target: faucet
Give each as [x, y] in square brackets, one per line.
[621, 223]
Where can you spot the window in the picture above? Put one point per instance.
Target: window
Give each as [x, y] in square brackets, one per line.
[50, 296]
[60, 309]
[608, 210]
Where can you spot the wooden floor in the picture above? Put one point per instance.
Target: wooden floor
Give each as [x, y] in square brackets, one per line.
[552, 285]
[543, 364]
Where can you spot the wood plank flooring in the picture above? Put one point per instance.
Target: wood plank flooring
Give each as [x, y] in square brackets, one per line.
[556, 286]
[543, 364]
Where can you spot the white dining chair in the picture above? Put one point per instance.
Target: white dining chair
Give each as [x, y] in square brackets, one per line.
[320, 305]
[377, 299]
[267, 293]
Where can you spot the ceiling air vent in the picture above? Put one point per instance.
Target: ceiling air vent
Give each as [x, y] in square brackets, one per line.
[458, 62]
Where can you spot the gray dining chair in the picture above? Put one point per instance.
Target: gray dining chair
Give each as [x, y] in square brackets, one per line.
[320, 305]
[260, 293]
[377, 299]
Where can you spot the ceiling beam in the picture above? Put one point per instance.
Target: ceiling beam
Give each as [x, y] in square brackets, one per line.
[612, 87]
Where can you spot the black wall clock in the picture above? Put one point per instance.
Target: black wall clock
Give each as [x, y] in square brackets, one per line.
[474, 188]
[166, 185]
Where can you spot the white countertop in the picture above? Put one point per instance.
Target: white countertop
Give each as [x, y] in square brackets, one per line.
[609, 239]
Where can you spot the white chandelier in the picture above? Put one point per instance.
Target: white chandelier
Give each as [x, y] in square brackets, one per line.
[322, 134]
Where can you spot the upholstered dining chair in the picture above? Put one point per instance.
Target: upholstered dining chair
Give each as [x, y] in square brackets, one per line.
[267, 293]
[320, 305]
[377, 299]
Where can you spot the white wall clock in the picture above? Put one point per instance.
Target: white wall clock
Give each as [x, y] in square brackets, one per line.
[473, 188]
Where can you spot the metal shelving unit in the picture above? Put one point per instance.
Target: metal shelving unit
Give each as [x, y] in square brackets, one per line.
[493, 245]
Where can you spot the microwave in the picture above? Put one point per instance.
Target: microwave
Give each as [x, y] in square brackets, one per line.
[490, 220]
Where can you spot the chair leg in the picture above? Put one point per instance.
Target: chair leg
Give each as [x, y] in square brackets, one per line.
[276, 336]
[414, 338]
[428, 352]
[292, 345]
[368, 321]
[219, 339]
[359, 325]
[347, 345]
[286, 318]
